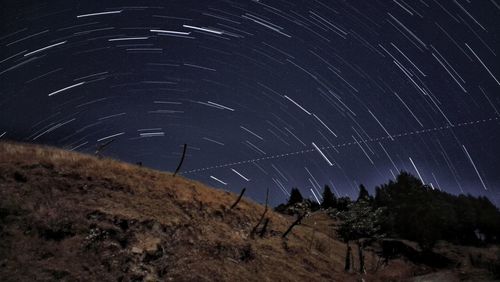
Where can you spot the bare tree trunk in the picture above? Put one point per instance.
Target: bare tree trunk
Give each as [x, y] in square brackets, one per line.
[361, 256]
[348, 258]
[352, 260]
[312, 237]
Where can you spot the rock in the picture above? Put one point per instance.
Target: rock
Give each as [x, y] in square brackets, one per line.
[151, 245]
[150, 278]
[152, 249]
[153, 252]
[136, 250]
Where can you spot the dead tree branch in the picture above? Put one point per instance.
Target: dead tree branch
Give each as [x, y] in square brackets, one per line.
[182, 160]
[101, 147]
[299, 219]
[239, 198]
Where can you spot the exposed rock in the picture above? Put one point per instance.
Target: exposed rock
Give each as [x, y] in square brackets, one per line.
[136, 250]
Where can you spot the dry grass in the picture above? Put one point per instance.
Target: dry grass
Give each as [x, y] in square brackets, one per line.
[67, 212]
[69, 216]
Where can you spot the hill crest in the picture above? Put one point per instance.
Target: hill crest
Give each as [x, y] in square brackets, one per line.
[69, 216]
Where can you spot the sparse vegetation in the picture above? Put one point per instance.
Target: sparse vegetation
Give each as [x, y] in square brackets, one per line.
[72, 216]
[408, 210]
[77, 217]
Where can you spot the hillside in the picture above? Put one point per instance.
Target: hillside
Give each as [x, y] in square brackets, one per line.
[73, 217]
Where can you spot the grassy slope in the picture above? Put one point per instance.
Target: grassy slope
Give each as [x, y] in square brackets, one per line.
[69, 216]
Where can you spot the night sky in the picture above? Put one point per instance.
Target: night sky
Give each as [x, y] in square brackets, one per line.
[267, 94]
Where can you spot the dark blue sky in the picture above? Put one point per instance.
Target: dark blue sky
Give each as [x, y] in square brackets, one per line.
[265, 93]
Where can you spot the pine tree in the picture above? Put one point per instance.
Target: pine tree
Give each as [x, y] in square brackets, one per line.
[363, 193]
[329, 200]
[295, 197]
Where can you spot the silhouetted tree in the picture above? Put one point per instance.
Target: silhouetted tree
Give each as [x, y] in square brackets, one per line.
[363, 193]
[295, 197]
[296, 204]
[329, 200]
[425, 215]
[412, 210]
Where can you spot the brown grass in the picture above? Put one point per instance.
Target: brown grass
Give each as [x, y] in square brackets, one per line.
[73, 217]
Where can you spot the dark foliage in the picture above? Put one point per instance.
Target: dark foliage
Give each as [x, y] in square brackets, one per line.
[329, 200]
[408, 209]
[293, 208]
[343, 203]
[295, 197]
[417, 212]
[363, 193]
[313, 205]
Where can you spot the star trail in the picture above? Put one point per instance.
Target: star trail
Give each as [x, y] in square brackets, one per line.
[267, 94]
